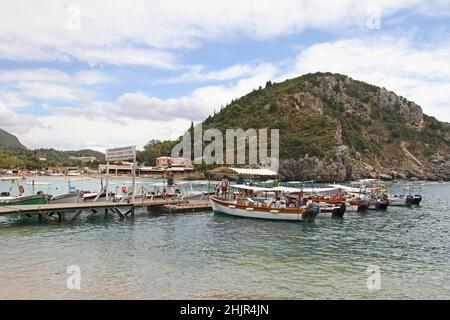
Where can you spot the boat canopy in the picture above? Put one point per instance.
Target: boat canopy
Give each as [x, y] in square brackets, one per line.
[304, 190]
[248, 172]
[347, 188]
[282, 189]
[252, 188]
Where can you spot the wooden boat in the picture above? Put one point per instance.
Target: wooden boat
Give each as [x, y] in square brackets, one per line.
[72, 197]
[22, 200]
[252, 209]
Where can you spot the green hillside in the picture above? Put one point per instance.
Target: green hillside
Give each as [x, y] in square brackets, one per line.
[14, 154]
[10, 142]
[334, 128]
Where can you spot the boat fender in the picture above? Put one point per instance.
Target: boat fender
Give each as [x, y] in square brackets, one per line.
[124, 189]
[21, 189]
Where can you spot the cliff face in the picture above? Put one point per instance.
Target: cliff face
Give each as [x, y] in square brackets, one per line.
[334, 128]
[379, 135]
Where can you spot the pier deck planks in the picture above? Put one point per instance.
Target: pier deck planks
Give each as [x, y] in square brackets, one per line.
[39, 208]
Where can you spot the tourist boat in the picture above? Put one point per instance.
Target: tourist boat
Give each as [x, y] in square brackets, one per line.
[250, 210]
[370, 185]
[331, 197]
[269, 208]
[375, 199]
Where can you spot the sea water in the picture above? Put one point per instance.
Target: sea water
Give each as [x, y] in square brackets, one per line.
[403, 253]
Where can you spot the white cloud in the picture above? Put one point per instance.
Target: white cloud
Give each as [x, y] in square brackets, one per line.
[51, 91]
[91, 77]
[13, 99]
[421, 74]
[73, 133]
[20, 86]
[127, 55]
[236, 71]
[195, 107]
[17, 123]
[144, 32]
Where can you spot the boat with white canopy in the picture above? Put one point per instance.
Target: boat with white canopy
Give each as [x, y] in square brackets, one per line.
[258, 202]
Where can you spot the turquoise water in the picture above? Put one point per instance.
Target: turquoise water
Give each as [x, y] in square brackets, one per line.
[205, 255]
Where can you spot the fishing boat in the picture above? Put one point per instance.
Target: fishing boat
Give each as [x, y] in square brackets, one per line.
[401, 200]
[249, 203]
[333, 210]
[72, 197]
[7, 200]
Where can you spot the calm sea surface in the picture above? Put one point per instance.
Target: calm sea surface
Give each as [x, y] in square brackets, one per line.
[206, 255]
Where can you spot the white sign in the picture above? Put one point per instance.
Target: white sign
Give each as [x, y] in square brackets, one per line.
[123, 153]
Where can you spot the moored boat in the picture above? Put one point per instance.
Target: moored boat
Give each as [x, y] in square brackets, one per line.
[249, 209]
[22, 200]
[336, 210]
[72, 197]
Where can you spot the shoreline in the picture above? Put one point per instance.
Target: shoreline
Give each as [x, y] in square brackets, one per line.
[127, 176]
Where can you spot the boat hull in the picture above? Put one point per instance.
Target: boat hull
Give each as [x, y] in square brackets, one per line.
[230, 208]
[66, 198]
[335, 211]
[23, 200]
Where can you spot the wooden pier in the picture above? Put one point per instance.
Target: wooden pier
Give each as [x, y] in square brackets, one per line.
[190, 206]
[58, 212]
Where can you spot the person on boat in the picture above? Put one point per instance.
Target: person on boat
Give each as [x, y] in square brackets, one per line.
[224, 185]
[240, 181]
[170, 180]
[217, 187]
[278, 202]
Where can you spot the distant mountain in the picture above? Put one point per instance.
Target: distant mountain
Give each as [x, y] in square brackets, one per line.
[100, 156]
[61, 156]
[15, 154]
[10, 142]
[335, 128]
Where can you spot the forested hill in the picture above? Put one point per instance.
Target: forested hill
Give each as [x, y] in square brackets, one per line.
[9, 141]
[13, 154]
[334, 128]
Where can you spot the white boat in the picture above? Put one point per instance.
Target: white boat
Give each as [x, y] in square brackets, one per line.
[249, 209]
[255, 202]
[72, 197]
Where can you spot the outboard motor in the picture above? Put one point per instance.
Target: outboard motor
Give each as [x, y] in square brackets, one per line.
[311, 213]
[339, 212]
[417, 199]
[409, 200]
[363, 205]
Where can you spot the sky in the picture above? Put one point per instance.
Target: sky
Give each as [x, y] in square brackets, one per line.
[101, 74]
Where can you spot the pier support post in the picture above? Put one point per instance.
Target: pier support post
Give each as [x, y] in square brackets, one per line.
[119, 213]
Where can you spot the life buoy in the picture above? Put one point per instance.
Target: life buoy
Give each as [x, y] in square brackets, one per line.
[124, 189]
[21, 189]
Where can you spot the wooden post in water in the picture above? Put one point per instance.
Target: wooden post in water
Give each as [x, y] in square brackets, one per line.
[134, 177]
[107, 180]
